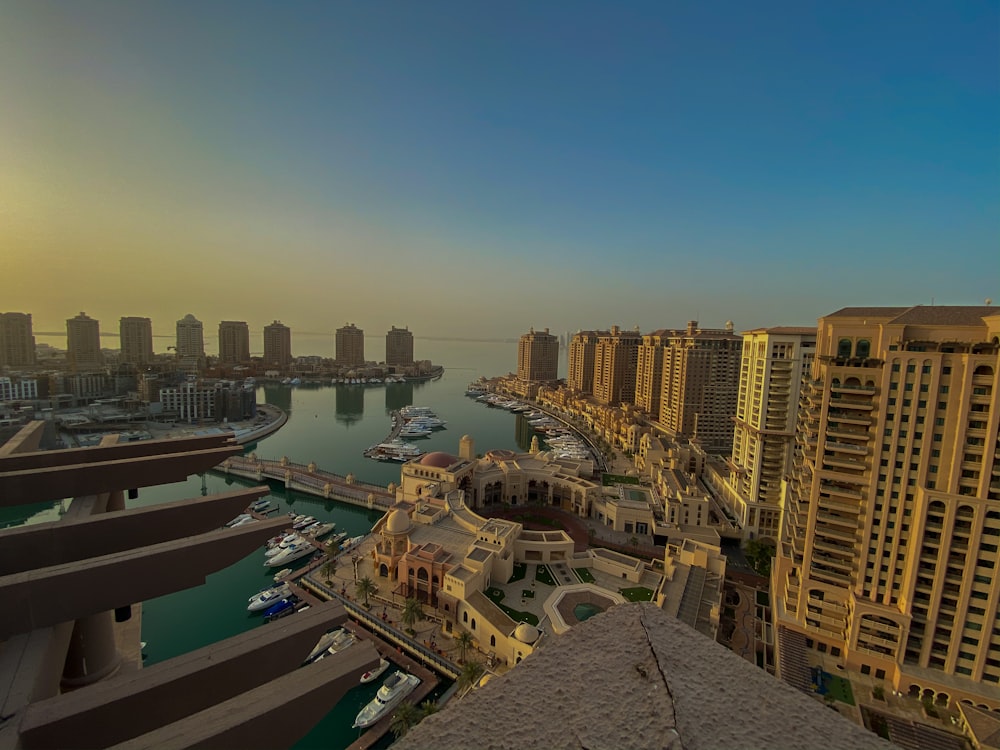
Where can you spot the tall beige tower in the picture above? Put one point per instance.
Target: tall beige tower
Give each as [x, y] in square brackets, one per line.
[83, 343]
[190, 337]
[350, 346]
[277, 345]
[17, 342]
[234, 342]
[701, 377]
[615, 358]
[771, 369]
[888, 557]
[582, 348]
[649, 372]
[538, 356]
[136, 336]
[399, 347]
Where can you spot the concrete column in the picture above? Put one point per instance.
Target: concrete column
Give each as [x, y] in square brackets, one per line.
[116, 500]
[92, 653]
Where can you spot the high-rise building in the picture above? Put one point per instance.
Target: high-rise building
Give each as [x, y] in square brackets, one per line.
[538, 357]
[136, 340]
[615, 358]
[17, 343]
[350, 346]
[277, 345]
[580, 373]
[888, 558]
[399, 347]
[83, 343]
[771, 370]
[234, 342]
[649, 372]
[190, 337]
[701, 378]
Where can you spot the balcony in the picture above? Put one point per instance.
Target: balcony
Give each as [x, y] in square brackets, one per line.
[844, 388]
[847, 447]
[831, 503]
[844, 403]
[839, 489]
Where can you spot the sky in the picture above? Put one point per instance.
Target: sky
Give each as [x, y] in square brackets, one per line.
[476, 169]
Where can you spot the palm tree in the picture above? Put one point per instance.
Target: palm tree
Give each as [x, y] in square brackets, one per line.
[464, 641]
[329, 568]
[365, 588]
[406, 717]
[469, 675]
[427, 708]
[412, 613]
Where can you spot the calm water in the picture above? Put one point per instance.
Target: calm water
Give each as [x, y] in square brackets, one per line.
[331, 426]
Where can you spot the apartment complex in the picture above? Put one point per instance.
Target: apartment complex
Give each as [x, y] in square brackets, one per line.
[649, 372]
[234, 342]
[399, 347]
[538, 357]
[888, 556]
[582, 348]
[277, 345]
[17, 342]
[350, 346]
[771, 370]
[615, 359]
[136, 335]
[190, 337]
[83, 343]
[701, 376]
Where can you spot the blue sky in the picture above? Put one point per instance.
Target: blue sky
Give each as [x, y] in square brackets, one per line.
[473, 167]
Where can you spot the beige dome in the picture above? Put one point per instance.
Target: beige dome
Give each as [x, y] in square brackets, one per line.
[526, 633]
[398, 522]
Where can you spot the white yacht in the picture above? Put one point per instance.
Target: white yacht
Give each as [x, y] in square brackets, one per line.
[393, 690]
[267, 597]
[296, 551]
[372, 674]
[326, 640]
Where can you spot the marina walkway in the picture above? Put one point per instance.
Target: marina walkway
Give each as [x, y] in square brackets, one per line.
[310, 479]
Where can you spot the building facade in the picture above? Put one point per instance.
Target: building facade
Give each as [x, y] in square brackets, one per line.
[83, 343]
[399, 347]
[649, 372]
[136, 336]
[17, 342]
[18, 389]
[277, 345]
[771, 369]
[190, 337]
[234, 342]
[615, 358]
[580, 372]
[538, 357]
[701, 377]
[350, 346]
[888, 556]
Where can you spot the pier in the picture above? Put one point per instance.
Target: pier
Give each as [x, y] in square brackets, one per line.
[310, 479]
[397, 425]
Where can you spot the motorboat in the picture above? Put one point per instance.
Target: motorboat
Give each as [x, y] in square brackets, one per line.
[352, 542]
[302, 523]
[294, 552]
[275, 610]
[283, 573]
[325, 641]
[320, 529]
[344, 640]
[240, 519]
[393, 690]
[372, 674]
[336, 539]
[281, 546]
[267, 597]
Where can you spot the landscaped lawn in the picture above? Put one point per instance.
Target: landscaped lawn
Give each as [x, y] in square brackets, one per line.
[496, 596]
[520, 570]
[584, 575]
[637, 594]
[840, 689]
[543, 575]
[609, 480]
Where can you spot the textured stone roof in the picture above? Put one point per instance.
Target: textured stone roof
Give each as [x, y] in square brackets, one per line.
[945, 315]
[867, 312]
[634, 677]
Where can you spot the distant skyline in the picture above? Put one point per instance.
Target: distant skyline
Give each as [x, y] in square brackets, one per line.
[475, 170]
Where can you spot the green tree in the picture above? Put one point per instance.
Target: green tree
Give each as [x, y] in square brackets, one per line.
[427, 708]
[634, 541]
[365, 587]
[464, 642]
[328, 569]
[405, 718]
[759, 555]
[470, 674]
[413, 612]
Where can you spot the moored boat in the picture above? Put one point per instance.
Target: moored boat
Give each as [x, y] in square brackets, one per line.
[372, 674]
[267, 597]
[393, 690]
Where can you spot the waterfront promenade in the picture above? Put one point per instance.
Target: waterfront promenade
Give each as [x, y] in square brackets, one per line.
[310, 479]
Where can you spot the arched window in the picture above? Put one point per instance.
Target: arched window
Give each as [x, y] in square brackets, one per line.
[421, 574]
[473, 623]
[844, 348]
[383, 570]
[465, 617]
[863, 349]
[493, 640]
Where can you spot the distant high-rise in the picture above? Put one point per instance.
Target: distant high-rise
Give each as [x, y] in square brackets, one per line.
[399, 347]
[350, 346]
[888, 556]
[136, 340]
[772, 364]
[83, 343]
[17, 343]
[190, 337]
[277, 344]
[649, 372]
[538, 357]
[615, 359]
[701, 378]
[234, 342]
[580, 375]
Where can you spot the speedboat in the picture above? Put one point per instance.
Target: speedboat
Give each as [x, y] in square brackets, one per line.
[371, 674]
[393, 690]
[283, 573]
[296, 551]
[267, 597]
[282, 608]
[325, 641]
[240, 519]
[336, 539]
[320, 529]
[354, 540]
[302, 523]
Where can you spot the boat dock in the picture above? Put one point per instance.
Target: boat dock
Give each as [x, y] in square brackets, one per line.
[397, 425]
[310, 479]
